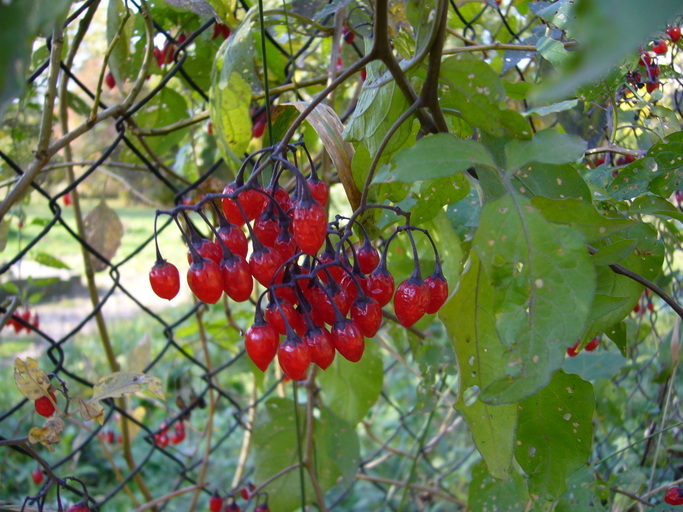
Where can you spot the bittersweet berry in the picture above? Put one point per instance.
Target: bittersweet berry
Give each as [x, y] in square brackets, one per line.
[674, 496]
[165, 279]
[44, 406]
[294, 357]
[348, 340]
[411, 301]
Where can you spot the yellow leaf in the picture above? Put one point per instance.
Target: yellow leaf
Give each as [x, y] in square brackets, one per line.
[91, 409]
[48, 434]
[31, 381]
[139, 414]
[118, 384]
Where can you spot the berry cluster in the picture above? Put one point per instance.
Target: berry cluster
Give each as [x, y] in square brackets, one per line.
[648, 71]
[324, 293]
[219, 503]
[162, 438]
[28, 318]
[644, 304]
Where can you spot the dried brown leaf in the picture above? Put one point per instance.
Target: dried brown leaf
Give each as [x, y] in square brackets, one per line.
[48, 434]
[91, 409]
[31, 381]
[118, 384]
[103, 231]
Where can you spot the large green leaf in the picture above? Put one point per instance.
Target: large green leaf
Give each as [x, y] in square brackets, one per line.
[547, 147]
[551, 181]
[435, 194]
[583, 216]
[436, 156]
[544, 283]
[555, 433]
[351, 389]
[487, 494]
[231, 85]
[276, 448]
[20, 22]
[469, 318]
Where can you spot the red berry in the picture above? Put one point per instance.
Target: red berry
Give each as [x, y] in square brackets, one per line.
[237, 280]
[215, 503]
[37, 476]
[109, 437]
[78, 507]
[220, 30]
[234, 238]
[246, 491]
[674, 33]
[321, 346]
[205, 280]
[411, 301]
[309, 226]
[593, 344]
[294, 357]
[261, 342]
[281, 197]
[36, 321]
[252, 201]
[349, 37]
[267, 228]
[44, 406]
[258, 127]
[165, 279]
[285, 245]
[110, 80]
[348, 340]
[206, 249]
[274, 313]
[178, 437]
[263, 265]
[674, 496]
[438, 292]
[645, 59]
[319, 190]
[367, 315]
[363, 74]
[659, 47]
[67, 199]
[572, 351]
[651, 86]
[368, 257]
[262, 508]
[380, 286]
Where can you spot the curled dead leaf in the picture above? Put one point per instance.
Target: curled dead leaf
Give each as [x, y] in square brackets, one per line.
[118, 384]
[91, 409]
[49, 434]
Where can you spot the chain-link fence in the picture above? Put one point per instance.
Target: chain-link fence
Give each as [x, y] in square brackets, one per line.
[83, 316]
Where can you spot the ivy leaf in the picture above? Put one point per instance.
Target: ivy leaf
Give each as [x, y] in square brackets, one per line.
[470, 323]
[583, 216]
[547, 147]
[555, 433]
[276, 448]
[351, 389]
[487, 493]
[544, 283]
[435, 156]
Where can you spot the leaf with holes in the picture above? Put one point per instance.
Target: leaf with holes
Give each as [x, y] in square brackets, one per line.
[543, 283]
[470, 323]
[487, 493]
[31, 381]
[555, 433]
[276, 448]
[351, 389]
[103, 232]
[582, 493]
[551, 181]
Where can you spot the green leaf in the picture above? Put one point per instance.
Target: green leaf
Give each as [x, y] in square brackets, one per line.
[552, 50]
[582, 493]
[547, 147]
[544, 283]
[594, 365]
[276, 448]
[551, 181]
[614, 253]
[167, 107]
[655, 205]
[48, 260]
[435, 194]
[351, 389]
[487, 493]
[233, 70]
[555, 433]
[120, 58]
[20, 22]
[552, 109]
[435, 156]
[475, 91]
[470, 323]
[583, 216]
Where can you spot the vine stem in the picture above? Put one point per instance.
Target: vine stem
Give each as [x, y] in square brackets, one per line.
[169, 496]
[309, 454]
[246, 440]
[422, 488]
